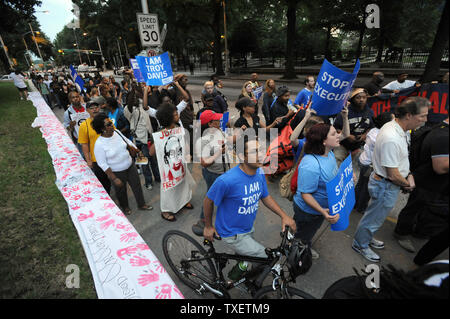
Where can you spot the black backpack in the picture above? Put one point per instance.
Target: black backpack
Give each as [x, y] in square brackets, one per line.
[417, 138]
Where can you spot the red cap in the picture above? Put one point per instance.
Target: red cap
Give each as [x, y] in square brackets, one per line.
[208, 116]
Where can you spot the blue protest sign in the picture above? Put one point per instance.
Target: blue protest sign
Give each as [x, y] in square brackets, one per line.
[156, 70]
[258, 92]
[136, 71]
[332, 88]
[224, 121]
[77, 79]
[341, 194]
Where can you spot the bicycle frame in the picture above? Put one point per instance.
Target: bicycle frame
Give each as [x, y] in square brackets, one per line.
[220, 286]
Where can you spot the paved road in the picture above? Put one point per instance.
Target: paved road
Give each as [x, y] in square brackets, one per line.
[336, 256]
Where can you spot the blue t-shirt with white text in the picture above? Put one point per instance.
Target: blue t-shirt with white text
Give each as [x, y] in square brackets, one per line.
[236, 195]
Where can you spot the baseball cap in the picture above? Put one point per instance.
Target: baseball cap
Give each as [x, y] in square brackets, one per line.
[91, 103]
[209, 97]
[243, 102]
[208, 116]
[282, 90]
[100, 100]
[356, 92]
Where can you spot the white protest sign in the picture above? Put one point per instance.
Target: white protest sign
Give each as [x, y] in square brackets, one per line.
[148, 29]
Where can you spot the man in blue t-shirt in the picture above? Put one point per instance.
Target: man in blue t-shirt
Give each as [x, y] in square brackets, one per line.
[304, 95]
[236, 195]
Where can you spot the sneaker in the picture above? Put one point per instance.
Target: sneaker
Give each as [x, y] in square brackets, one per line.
[405, 242]
[149, 187]
[366, 253]
[376, 244]
[314, 254]
[198, 228]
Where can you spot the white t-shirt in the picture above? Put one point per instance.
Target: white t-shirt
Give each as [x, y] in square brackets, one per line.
[111, 152]
[395, 85]
[391, 150]
[366, 155]
[18, 80]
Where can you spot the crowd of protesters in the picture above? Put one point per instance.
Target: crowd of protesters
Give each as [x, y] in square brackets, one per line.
[109, 117]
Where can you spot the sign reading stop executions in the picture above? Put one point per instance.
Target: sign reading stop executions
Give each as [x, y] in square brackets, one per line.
[148, 29]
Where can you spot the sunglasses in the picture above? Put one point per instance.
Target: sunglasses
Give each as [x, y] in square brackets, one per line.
[109, 124]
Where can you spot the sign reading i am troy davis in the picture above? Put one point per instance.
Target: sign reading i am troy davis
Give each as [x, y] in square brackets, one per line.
[148, 29]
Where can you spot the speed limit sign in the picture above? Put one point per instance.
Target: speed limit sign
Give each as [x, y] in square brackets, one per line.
[148, 29]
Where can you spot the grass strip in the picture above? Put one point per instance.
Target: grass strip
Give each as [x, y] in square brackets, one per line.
[38, 238]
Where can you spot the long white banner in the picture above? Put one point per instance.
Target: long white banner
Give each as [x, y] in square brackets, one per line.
[122, 264]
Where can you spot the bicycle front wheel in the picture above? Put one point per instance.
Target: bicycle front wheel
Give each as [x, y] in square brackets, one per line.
[267, 292]
[186, 258]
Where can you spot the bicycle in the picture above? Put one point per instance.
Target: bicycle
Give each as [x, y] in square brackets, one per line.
[202, 270]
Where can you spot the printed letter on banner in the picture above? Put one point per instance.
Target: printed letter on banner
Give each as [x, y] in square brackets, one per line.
[341, 194]
[156, 70]
[332, 89]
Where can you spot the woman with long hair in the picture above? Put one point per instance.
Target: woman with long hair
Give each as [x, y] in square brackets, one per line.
[247, 91]
[268, 97]
[248, 118]
[317, 167]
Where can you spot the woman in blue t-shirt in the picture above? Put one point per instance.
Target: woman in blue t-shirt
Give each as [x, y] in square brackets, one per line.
[317, 167]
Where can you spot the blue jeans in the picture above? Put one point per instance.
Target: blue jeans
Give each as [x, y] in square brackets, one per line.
[210, 178]
[383, 196]
[151, 163]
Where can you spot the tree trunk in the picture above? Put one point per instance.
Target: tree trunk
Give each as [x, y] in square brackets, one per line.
[217, 44]
[440, 42]
[327, 45]
[289, 72]
[380, 48]
[361, 35]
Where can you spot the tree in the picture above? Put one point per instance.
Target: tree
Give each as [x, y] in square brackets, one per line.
[437, 51]
[289, 72]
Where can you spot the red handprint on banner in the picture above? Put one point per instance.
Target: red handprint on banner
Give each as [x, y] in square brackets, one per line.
[83, 217]
[124, 227]
[103, 218]
[128, 236]
[159, 267]
[106, 225]
[126, 251]
[146, 279]
[142, 247]
[109, 205]
[165, 292]
[139, 261]
[86, 199]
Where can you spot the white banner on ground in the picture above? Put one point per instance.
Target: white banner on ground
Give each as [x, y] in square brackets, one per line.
[122, 264]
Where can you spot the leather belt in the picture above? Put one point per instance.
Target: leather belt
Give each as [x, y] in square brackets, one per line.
[379, 178]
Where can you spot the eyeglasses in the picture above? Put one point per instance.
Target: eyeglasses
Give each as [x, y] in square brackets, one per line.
[109, 124]
[94, 106]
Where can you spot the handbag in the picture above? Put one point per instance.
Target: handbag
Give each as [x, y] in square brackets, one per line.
[131, 149]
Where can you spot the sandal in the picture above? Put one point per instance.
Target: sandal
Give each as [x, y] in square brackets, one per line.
[167, 215]
[127, 211]
[189, 206]
[146, 207]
